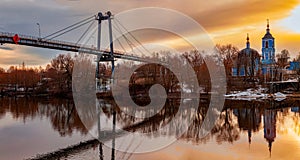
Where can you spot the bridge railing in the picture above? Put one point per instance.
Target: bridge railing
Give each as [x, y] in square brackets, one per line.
[33, 38]
[40, 42]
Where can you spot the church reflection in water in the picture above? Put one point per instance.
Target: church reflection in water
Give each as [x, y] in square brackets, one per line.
[249, 119]
[270, 127]
[237, 117]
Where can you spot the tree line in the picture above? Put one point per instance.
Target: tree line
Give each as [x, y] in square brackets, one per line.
[56, 77]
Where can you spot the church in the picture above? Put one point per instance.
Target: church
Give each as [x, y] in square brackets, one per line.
[250, 63]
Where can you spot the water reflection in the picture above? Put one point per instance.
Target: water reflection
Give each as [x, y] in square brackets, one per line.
[31, 126]
[249, 119]
[61, 113]
[238, 120]
[270, 127]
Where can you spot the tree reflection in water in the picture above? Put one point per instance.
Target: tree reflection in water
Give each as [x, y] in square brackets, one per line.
[236, 118]
[60, 112]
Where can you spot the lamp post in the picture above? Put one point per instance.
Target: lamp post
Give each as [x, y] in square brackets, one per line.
[38, 24]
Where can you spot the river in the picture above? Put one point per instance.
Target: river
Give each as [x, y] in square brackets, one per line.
[264, 129]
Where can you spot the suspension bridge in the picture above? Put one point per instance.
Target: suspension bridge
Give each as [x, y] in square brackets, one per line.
[110, 55]
[32, 41]
[49, 42]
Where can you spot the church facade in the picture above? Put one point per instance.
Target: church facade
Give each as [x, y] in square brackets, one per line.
[250, 63]
[268, 52]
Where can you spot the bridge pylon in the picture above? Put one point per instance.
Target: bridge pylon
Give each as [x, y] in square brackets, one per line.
[103, 58]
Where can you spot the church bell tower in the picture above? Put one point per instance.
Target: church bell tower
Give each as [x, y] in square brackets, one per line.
[268, 52]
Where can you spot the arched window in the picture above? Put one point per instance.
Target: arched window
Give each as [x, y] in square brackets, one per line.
[267, 44]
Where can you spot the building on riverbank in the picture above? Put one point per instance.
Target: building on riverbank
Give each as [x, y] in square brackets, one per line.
[247, 62]
[253, 65]
[250, 63]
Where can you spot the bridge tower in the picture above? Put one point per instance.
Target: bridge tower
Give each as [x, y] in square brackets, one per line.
[107, 16]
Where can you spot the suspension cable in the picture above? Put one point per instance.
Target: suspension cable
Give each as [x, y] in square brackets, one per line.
[94, 32]
[127, 40]
[132, 36]
[69, 27]
[130, 44]
[119, 42]
[84, 33]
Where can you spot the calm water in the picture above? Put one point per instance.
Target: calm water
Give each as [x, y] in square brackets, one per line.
[245, 130]
[33, 126]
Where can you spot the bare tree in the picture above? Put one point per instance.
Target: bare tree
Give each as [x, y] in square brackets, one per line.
[282, 61]
[63, 66]
[2, 70]
[196, 60]
[283, 57]
[297, 70]
[229, 53]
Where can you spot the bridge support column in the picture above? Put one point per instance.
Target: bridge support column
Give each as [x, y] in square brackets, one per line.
[111, 42]
[100, 58]
[98, 48]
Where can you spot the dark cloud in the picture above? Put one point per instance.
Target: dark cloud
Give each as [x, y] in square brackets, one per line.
[21, 16]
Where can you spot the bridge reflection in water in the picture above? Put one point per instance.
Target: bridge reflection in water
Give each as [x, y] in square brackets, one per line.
[255, 123]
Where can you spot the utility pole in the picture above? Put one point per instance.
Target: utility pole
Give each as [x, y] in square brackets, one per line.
[39, 26]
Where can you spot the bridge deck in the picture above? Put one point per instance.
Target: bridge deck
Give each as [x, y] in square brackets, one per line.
[64, 46]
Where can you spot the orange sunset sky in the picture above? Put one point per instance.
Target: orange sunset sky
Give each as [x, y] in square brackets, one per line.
[226, 21]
